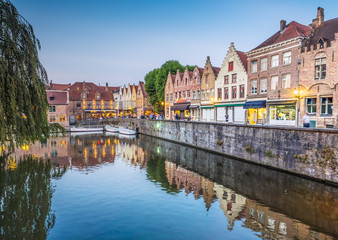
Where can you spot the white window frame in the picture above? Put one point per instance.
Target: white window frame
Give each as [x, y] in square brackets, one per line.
[274, 82]
[287, 58]
[264, 64]
[254, 66]
[274, 61]
[286, 81]
[262, 82]
[254, 86]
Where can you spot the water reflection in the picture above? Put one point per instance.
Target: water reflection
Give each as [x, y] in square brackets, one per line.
[275, 205]
[26, 193]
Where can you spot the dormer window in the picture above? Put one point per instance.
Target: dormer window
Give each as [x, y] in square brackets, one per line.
[321, 43]
[51, 98]
[97, 97]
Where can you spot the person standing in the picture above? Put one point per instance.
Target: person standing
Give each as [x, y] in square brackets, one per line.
[226, 117]
[306, 120]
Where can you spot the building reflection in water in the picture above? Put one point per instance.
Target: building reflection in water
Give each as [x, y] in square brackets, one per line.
[275, 205]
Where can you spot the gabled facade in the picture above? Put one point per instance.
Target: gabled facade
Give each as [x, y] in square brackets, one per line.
[209, 76]
[318, 76]
[230, 87]
[272, 76]
[58, 111]
[195, 93]
[169, 96]
[144, 108]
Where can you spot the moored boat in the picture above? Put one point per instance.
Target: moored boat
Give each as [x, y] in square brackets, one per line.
[84, 129]
[111, 129]
[126, 131]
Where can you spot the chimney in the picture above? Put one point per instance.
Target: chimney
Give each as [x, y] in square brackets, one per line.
[282, 25]
[51, 84]
[320, 15]
[320, 18]
[106, 86]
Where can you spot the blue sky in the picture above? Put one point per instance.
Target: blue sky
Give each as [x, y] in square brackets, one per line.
[119, 42]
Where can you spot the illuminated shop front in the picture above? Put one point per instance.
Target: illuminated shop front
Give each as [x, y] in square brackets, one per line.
[283, 115]
[182, 109]
[92, 114]
[256, 112]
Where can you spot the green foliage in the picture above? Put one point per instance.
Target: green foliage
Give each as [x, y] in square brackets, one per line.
[156, 79]
[26, 196]
[249, 149]
[23, 101]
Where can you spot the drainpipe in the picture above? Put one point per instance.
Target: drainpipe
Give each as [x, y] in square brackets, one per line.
[298, 96]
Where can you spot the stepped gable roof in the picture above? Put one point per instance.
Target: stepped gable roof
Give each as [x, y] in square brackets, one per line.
[57, 86]
[292, 30]
[141, 84]
[326, 32]
[243, 58]
[216, 70]
[191, 74]
[60, 97]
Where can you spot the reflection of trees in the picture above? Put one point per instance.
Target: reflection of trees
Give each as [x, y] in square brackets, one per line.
[156, 172]
[25, 195]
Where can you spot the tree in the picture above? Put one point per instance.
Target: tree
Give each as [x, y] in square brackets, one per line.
[156, 79]
[23, 101]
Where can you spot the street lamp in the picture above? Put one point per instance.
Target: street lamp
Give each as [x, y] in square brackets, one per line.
[297, 93]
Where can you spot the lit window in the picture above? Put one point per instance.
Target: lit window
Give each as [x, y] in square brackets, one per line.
[326, 105]
[320, 68]
[52, 118]
[286, 81]
[62, 118]
[287, 58]
[263, 85]
[254, 66]
[274, 61]
[254, 87]
[311, 105]
[274, 82]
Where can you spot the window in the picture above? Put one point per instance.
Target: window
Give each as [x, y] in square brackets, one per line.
[62, 118]
[234, 92]
[186, 81]
[286, 81]
[198, 94]
[264, 85]
[179, 95]
[219, 93]
[167, 98]
[254, 66]
[231, 66]
[234, 78]
[274, 61]
[51, 98]
[274, 82]
[326, 105]
[254, 87]
[320, 68]
[212, 92]
[226, 93]
[226, 79]
[311, 105]
[51, 108]
[286, 58]
[208, 94]
[193, 94]
[89, 105]
[83, 96]
[206, 78]
[188, 94]
[241, 91]
[171, 97]
[97, 97]
[175, 95]
[264, 64]
[203, 95]
[52, 118]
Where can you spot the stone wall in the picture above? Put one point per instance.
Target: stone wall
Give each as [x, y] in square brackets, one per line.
[308, 152]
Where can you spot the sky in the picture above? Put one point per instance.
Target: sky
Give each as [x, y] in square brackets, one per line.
[119, 42]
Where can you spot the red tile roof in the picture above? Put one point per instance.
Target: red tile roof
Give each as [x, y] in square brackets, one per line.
[141, 85]
[59, 97]
[292, 30]
[57, 86]
[201, 71]
[244, 59]
[76, 90]
[190, 74]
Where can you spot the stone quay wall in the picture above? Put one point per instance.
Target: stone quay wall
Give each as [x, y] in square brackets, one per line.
[307, 152]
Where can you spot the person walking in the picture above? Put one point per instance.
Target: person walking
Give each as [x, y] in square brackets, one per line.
[306, 120]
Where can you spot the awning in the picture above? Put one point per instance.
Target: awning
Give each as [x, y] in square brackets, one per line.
[276, 102]
[230, 105]
[194, 106]
[206, 107]
[255, 104]
[180, 107]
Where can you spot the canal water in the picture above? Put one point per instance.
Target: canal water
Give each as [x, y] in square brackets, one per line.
[110, 187]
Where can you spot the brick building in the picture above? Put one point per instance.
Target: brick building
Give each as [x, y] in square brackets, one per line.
[144, 108]
[272, 76]
[58, 112]
[318, 77]
[230, 87]
[169, 95]
[181, 98]
[208, 91]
